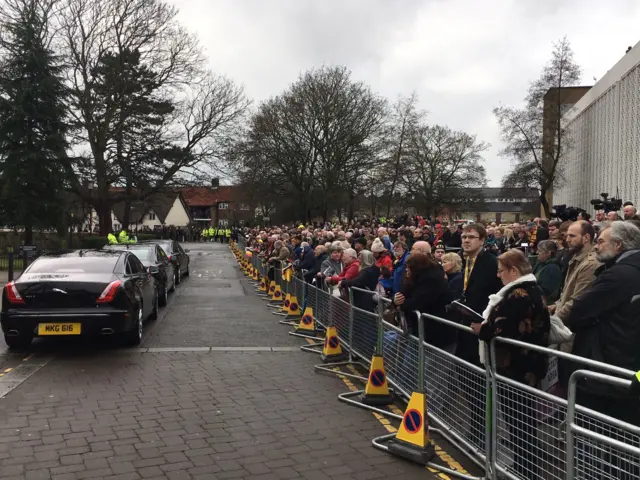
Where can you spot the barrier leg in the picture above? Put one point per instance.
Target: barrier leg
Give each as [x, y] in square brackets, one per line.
[329, 343]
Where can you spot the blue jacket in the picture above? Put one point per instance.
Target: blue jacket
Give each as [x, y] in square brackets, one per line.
[399, 269]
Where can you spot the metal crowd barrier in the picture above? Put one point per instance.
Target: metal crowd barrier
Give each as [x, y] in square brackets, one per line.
[509, 429]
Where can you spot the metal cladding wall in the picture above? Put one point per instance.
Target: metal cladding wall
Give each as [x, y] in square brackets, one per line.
[604, 133]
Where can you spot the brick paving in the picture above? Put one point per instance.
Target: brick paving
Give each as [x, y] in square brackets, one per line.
[259, 415]
[135, 414]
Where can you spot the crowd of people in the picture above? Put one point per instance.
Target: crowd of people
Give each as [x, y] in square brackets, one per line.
[572, 285]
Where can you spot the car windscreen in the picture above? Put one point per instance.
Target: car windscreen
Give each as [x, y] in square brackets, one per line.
[74, 265]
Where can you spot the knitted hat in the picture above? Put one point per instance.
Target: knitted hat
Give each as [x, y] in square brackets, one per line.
[440, 245]
[377, 246]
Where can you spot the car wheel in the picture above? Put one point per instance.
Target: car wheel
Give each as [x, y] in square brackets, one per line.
[186, 272]
[156, 303]
[21, 342]
[178, 276]
[164, 295]
[135, 335]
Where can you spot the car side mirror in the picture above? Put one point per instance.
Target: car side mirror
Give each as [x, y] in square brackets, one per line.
[153, 270]
[187, 250]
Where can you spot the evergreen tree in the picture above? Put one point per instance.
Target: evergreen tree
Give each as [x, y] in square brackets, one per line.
[33, 126]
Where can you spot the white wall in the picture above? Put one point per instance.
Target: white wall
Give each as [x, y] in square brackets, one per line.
[177, 216]
[604, 131]
[150, 220]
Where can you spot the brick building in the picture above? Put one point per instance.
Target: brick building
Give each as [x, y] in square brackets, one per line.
[223, 205]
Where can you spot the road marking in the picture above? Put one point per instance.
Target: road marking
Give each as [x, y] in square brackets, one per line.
[210, 349]
[442, 454]
[16, 376]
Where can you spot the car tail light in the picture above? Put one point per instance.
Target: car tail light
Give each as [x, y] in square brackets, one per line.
[109, 293]
[169, 257]
[12, 293]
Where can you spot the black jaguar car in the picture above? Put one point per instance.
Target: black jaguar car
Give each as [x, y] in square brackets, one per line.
[82, 292]
[156, 262]
[178, 256]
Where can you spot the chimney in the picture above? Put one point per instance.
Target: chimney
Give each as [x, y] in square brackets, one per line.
[215, 183]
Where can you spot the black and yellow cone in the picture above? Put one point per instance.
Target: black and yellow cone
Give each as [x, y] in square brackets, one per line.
[285, 305]
[277, 294]
[263, 285]
[272, 288]
[412, 442]
[294, 307]
[255, 277]
[307, 325]
[376, 392]
[332, 350]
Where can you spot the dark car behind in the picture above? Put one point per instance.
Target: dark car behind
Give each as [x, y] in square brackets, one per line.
[156, 261]
[79, 293]
[178, 256]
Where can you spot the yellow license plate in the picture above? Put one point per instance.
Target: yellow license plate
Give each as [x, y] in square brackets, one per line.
[59, 328]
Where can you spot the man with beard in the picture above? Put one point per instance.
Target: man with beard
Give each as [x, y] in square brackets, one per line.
[581, 269]
[606, 322]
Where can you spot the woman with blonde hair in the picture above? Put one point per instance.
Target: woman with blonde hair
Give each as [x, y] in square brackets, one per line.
[518, 311]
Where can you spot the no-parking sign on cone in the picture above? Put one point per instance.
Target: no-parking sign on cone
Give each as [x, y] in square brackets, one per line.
[332, 350]
[294, 307]
[376, 392]
[412, 442]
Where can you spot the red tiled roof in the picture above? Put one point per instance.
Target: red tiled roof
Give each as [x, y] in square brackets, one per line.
[205, 196]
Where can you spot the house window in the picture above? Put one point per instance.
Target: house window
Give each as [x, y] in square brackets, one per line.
[152, 216]
[116, 226]
[223, 206]
[245, 207]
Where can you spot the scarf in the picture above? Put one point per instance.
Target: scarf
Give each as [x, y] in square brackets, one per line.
[495, 299]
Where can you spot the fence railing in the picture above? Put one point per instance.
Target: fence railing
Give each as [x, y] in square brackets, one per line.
[510, 429]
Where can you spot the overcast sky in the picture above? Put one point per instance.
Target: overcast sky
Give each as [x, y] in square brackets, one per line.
[462, 57]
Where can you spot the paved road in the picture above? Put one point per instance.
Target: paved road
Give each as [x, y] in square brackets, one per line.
[217, 391]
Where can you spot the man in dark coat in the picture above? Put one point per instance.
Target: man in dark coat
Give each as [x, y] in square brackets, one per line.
[605, 319]
[480, 277]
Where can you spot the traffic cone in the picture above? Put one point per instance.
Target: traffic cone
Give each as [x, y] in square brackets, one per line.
[412, 441]
[307, 325]
[294, 307]
[277, 294]
[272, 289]
[332, 350]
[285, 307]
[255, 277]
[263, 285]
[376, 392]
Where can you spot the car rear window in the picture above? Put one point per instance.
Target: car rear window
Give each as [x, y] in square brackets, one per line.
[74, 265]
[166, 247]
[143, 254]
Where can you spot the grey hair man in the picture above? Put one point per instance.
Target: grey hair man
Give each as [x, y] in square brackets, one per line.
[605, 319]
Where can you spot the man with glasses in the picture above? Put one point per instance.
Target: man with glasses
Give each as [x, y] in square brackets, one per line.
[480, 279]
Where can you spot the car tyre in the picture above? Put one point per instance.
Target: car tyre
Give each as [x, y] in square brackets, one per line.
[186, 272]
[164, 296]
[134, 336]
[178, 276]
[21, 342]
[156, 302]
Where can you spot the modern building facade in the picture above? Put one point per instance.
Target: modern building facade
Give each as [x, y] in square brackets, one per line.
[604, 132]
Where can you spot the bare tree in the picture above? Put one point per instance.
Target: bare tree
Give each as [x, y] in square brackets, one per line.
[315, 141]
[440, 164]
[204, 106]
[403, 120]
[535, 137]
